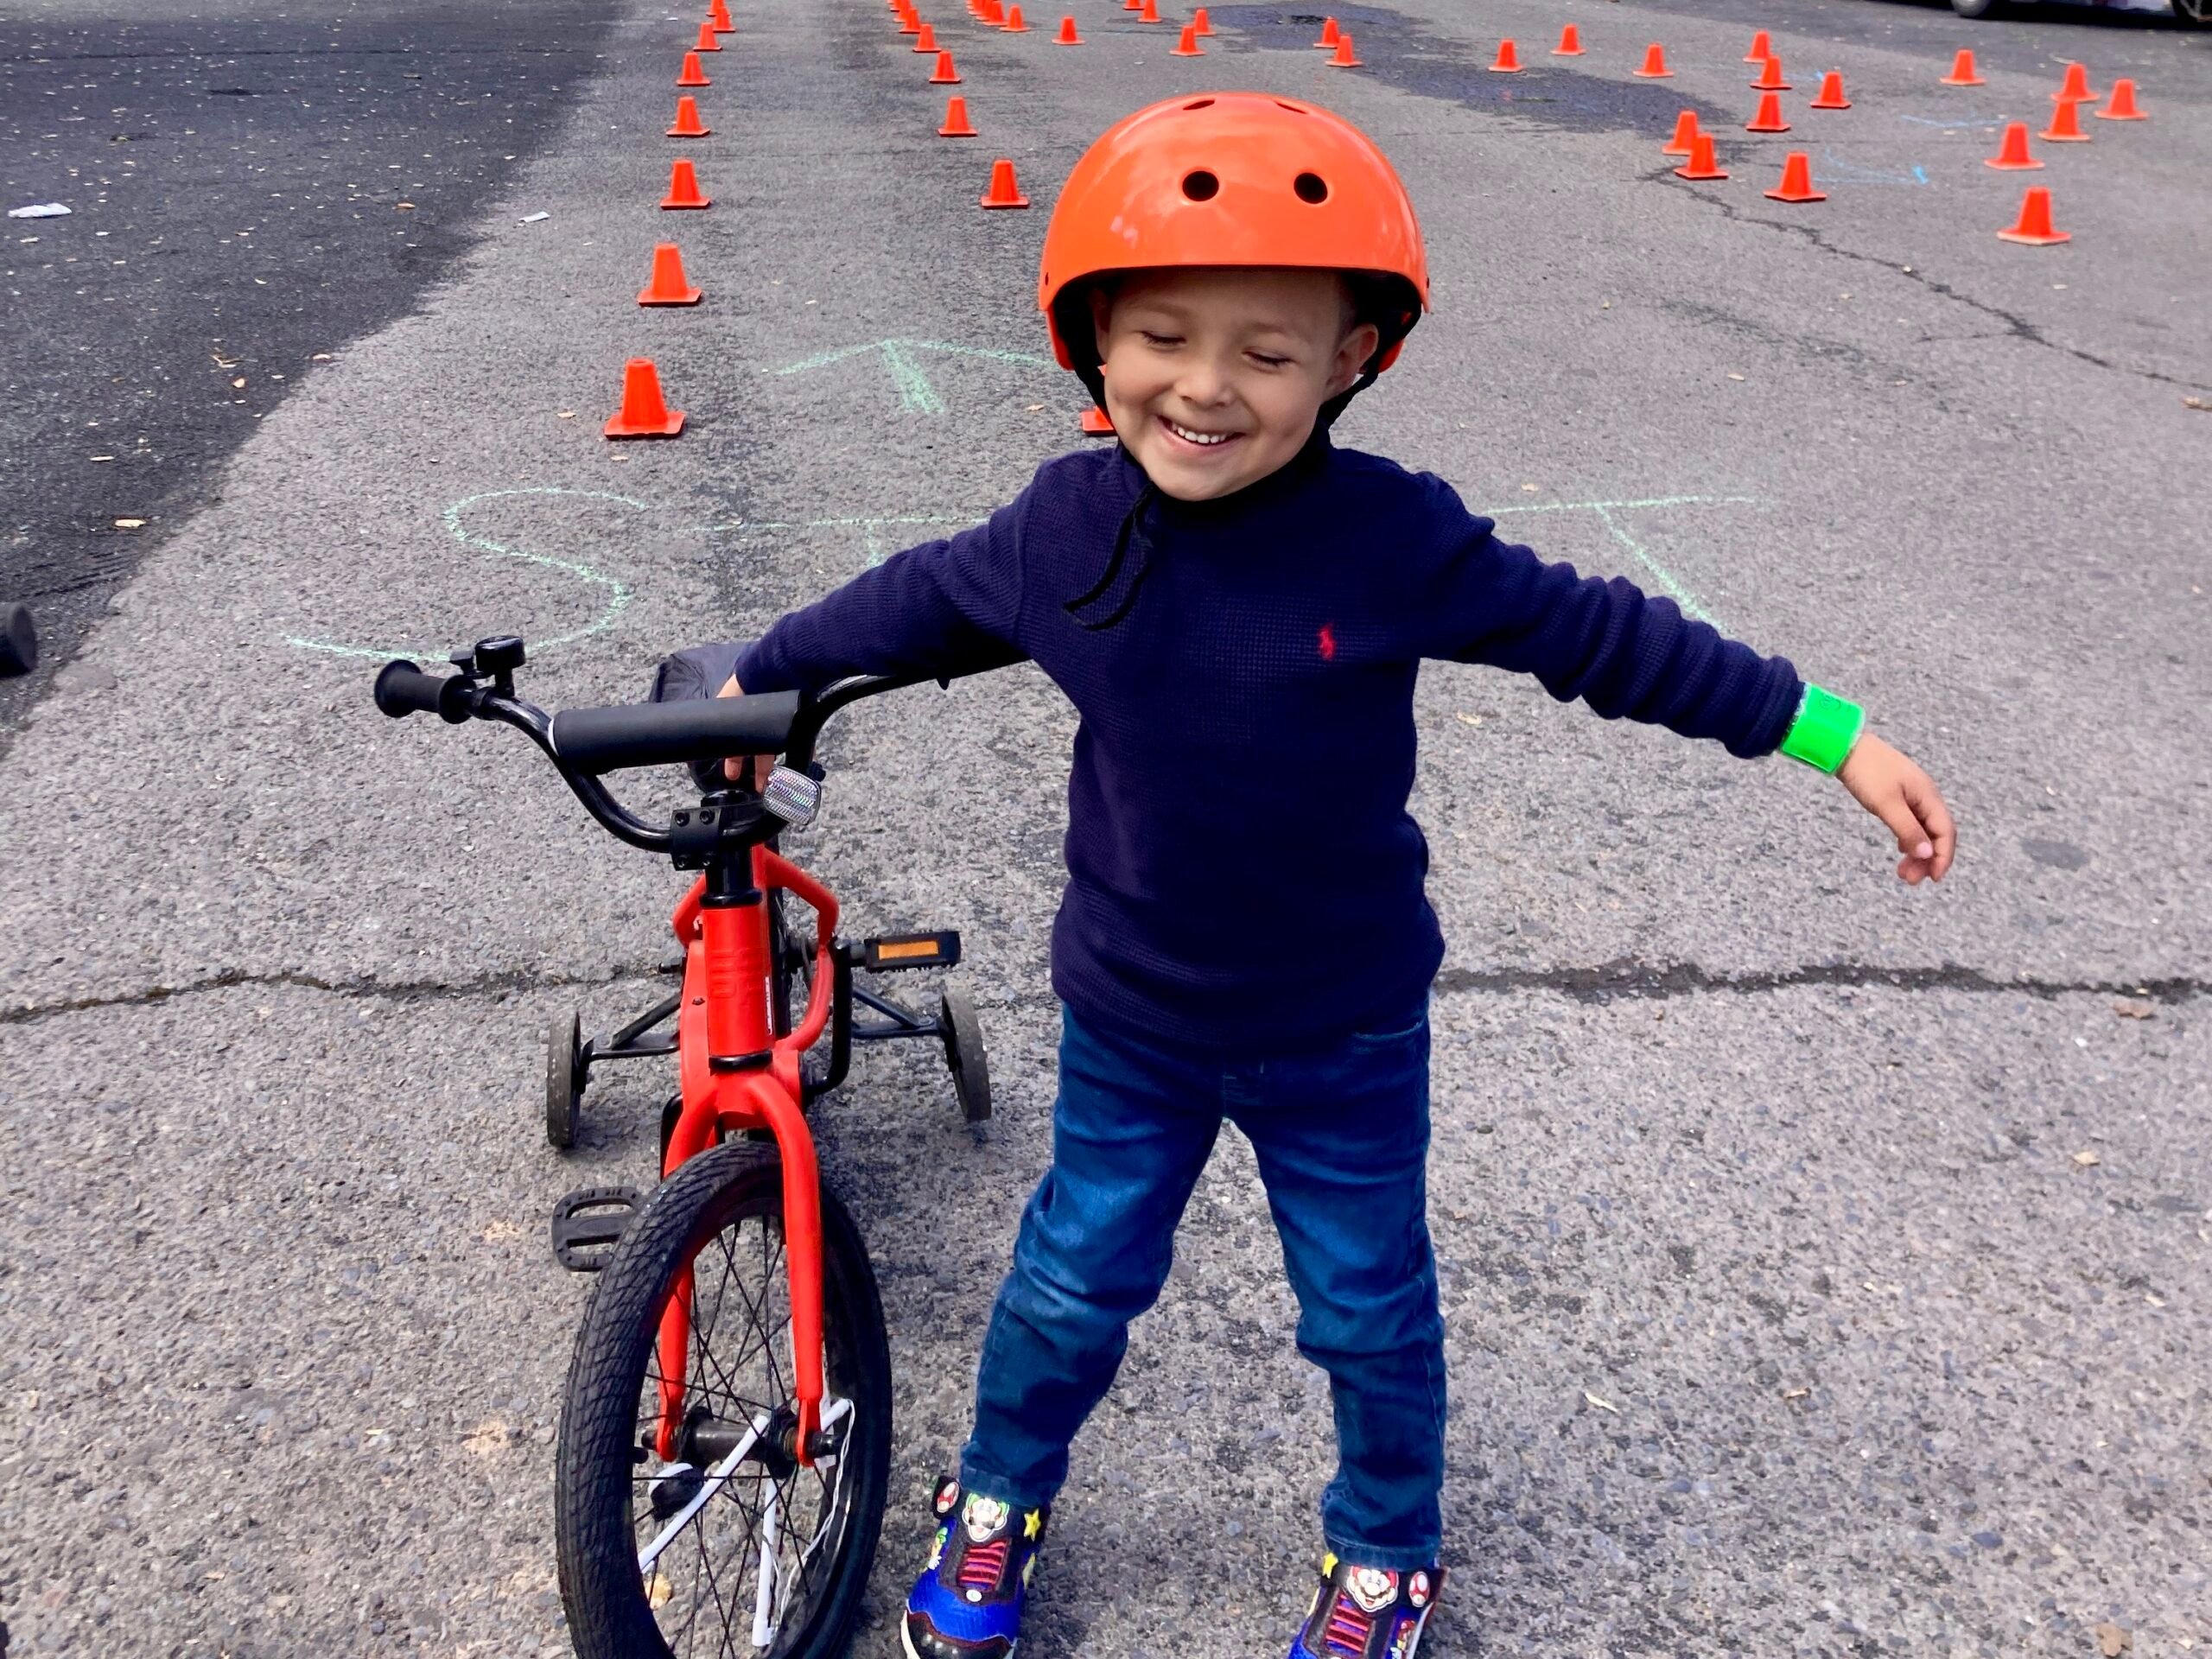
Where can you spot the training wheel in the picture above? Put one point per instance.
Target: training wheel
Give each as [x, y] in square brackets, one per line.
[963, 1052]
[564, 1079]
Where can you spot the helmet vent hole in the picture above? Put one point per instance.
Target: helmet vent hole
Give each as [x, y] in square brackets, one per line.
[1295, 109]
[1201, 186]
[1311, 187]
[1201, 104]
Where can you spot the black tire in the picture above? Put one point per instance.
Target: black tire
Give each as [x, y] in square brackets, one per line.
[1975, 7]
[601, 1515]
[564, 1080]
[18, 640]
[963, 1053]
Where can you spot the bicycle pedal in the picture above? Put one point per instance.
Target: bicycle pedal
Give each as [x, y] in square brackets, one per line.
[892, 952]
[589, 1222]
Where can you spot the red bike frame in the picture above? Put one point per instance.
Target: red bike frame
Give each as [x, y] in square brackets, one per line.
[728, 995]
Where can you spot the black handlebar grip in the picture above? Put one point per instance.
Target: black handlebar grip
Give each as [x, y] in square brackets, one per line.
[668, 733]
[404, 690]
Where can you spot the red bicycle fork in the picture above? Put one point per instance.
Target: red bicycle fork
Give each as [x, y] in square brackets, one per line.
[736, 1074]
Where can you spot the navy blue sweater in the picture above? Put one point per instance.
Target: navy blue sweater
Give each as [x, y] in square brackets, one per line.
[1242, 874]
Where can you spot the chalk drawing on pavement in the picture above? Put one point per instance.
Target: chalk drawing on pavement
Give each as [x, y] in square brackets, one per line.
[902, 360]
[1834, 170]
[1606, 514]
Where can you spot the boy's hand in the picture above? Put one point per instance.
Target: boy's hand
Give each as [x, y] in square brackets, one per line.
[1904, 798]
[734, 768]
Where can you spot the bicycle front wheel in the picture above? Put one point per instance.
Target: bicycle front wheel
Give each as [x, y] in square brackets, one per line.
[700, 1533]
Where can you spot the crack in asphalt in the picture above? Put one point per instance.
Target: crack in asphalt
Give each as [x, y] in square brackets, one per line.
[2016, 326]
[1623, 977]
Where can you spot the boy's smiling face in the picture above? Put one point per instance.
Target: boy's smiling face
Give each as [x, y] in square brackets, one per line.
[1215, 375]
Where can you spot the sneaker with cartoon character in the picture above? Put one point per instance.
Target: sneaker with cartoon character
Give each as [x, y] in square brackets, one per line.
[1367, 1612]
[967, 1604]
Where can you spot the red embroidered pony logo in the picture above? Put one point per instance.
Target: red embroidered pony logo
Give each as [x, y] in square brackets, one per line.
[1327, 640]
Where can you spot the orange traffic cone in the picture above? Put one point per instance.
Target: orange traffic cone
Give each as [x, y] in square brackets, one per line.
[1570, 42]
[1797, 179]
[2012, 156]
[1328, 41]
[926, 39]
[1097, 423]
[1203, 24]
[910, 21]
[1832, 95]
[1132, 5]
[1188, 46]
[2065, 126]
[2121, 105]
[1345, 58]
[2075, 89]
[1508, 59]
[718, 15]
[1701, 164]
[1771, 78]
[1962, 71]
[946, 75]
[1067, 36]
[1004, 192]
[643, 414]
[1769, 118]
[688, 123]
[1762, 48]
[2034, 227]
[1014, 24]
[683, 189]
[956, 120]
[1655, 64]
[693, 75]
[1149, 13]
[1684, 142]
[707, 41]
[667, 285]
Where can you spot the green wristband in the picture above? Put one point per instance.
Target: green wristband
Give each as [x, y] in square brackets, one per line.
[1824, 730]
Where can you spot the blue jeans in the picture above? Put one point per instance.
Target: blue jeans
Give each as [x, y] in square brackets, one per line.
[1341, 1136]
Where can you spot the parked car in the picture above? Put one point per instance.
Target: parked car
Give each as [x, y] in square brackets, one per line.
[2195, 13]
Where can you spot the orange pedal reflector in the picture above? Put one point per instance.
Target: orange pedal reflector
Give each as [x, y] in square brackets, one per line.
[693, 75]
[1771, 78]
[667, 285]
[1832, 95]
[1962, 71]
[1570, 42]
[644, 413]
[946, 74]
[1345, 58]
[1655, 64]
[2065, 126]
[1004, 192]
[1014, 24]
[2034, 227]
[1684, 142]
[1188, 46]
[2076, 87]
[1203, 24]
[1762, 48]
[707, 41]
[1328, 41]
[1769, 118]
[1067, 36]
[1508, 59]
[688, 123]
[956, 119]
[1701, 164]
[2012, 155]
[1096, 423]
[926, 39]
[718, 15]
[1797, 179]
[2122, 106]
[683, 187]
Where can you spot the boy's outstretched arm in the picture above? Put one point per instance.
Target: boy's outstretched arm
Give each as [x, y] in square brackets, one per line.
[1628, 654]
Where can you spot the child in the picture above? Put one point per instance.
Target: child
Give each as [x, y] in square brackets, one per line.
[1237, 610]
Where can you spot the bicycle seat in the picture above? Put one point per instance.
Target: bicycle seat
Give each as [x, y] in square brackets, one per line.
[665, 733]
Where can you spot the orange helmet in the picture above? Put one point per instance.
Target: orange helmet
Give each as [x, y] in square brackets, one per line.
[1233, 179]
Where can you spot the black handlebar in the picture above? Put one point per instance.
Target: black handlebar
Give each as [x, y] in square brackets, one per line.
[675, 734]
[404, 690]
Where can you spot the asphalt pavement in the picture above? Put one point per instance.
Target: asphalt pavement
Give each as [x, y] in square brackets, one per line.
[1824, 1262]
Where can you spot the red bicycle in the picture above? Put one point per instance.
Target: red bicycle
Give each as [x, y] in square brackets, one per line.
[726, 1435]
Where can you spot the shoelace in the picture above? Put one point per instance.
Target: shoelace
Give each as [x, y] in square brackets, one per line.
[1348, 1629]
[981, 1566]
